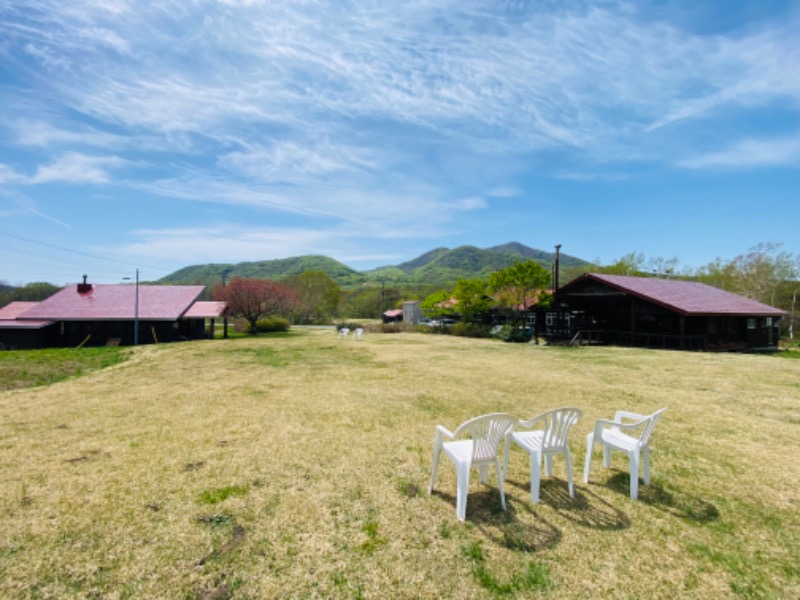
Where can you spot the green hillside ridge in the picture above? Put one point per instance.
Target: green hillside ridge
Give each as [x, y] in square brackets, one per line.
[440, 266]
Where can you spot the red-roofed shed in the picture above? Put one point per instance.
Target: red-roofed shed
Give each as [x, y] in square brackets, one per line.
[667, 313]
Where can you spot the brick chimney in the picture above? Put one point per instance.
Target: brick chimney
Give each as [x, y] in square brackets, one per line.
[84, 288]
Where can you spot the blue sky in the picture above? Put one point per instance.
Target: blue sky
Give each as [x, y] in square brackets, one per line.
[161, 134]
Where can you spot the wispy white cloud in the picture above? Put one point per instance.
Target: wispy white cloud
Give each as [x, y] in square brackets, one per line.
[77, 168]
[9, 175]
[590, 176]
[750, 154]
[387, 121]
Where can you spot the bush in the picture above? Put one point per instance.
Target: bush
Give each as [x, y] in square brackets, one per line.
[351, 326]
[473, 330]
[272, 324]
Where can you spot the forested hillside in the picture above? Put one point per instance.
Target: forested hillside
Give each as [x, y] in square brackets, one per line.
[441, 266]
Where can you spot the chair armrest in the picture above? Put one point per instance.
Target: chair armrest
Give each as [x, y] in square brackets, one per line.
[441, 430]
[601, 424]
[530, 424]
[624, 414]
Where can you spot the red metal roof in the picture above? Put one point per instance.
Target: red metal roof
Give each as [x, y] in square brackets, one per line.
[205, 310]
[10, 312]
[116, 303]
[684, 297]
[14, 309]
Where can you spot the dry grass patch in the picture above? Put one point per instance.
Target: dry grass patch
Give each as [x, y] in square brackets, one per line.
[297, 466]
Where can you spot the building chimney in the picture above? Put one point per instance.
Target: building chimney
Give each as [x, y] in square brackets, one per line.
[84, 288]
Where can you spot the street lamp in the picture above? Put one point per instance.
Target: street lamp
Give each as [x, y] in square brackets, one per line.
[135, 311]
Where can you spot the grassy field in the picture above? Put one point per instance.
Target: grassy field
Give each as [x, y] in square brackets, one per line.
[296, 466]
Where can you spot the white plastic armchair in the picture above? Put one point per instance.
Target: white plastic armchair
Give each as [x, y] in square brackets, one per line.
[343, 332]
[358, 333]
[630, 433]
[547, 436]
[485, 434]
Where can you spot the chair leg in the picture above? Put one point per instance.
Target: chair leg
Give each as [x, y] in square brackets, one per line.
[606, 456]
[500, 484]
[483, 471]
[536, 475]
[506, 452]
[568, 458]
[462, 483]
[634, 456]
[434, 468]
[588, 462]
[548, 465]
[646, 464]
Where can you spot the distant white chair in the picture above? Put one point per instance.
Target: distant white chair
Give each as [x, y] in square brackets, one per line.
[546, 438]
[486, 434]
[635, 443]
[358, 333]
[343, 333]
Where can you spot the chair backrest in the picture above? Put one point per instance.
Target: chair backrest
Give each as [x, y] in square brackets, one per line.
[487, 433]
[644, 439]
[557, 424]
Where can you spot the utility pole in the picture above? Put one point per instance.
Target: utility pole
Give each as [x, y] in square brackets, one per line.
[136, 313]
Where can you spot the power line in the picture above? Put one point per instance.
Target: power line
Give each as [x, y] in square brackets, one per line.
[123, 262]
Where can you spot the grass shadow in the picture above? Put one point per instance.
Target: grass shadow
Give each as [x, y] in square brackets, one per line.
[587, 509]
[679, 504]
[517, 528]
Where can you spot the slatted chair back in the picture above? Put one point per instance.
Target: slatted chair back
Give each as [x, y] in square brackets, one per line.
[487, 433]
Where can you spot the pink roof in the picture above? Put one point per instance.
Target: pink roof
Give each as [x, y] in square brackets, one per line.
[11, 311]
[684, 297]
[205, 310]
[116, 302]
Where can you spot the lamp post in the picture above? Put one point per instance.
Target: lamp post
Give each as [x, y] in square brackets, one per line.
[135, 311]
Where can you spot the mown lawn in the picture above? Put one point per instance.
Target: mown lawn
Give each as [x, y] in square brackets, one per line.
[28, 368]
[297, 466]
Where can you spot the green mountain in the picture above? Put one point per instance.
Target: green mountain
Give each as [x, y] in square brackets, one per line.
[439, 267]
[213, 274]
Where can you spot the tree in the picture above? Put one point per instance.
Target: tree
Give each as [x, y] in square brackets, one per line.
[30, 292]
[630, 264]
[253, 299]
[438, 305]
[317, 296]
[473, 298]
[516, 288]
[760, 273]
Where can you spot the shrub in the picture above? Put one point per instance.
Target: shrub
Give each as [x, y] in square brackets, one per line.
[352, 326]
[473, 330]
[271, 324]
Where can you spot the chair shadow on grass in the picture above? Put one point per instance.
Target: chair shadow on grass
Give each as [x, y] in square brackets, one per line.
[587, 509]
[512, 528]
[523, 526]
[679, 504]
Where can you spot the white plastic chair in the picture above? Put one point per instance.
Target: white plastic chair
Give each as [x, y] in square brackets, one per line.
[546, 438]
[612, 436]
[343, 332]
[358, 333]
[486, 434]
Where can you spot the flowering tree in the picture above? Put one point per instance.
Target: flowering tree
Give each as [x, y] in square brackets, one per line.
[253, 299]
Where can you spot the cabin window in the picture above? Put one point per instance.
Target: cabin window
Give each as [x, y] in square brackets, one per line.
[768, 322]
[751, 323]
